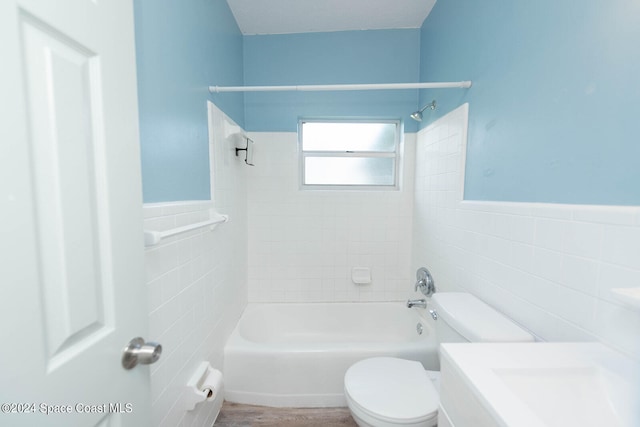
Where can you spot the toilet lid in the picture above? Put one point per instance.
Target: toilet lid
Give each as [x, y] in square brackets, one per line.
[392, 389]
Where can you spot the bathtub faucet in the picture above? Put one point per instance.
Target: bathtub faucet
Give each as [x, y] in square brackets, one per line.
[422, 303]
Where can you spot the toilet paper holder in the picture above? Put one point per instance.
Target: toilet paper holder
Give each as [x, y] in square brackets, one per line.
[205, 385]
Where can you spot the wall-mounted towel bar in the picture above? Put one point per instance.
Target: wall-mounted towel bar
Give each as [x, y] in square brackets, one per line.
[154, 237]
[630, 296]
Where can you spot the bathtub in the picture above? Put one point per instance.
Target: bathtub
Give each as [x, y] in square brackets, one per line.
[296, 355]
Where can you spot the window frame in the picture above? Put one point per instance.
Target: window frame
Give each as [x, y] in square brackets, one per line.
[396, 155]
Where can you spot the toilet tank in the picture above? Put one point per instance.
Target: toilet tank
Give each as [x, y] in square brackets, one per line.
[464, 318]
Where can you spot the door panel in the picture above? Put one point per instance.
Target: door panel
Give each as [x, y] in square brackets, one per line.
[63, 92]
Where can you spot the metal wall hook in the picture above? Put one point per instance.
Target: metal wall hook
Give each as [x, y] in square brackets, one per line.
[248, 156]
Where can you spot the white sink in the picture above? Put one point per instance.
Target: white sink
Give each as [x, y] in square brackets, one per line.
[559, 396]
[539, 384]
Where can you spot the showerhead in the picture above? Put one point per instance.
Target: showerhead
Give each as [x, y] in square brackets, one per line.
[417, 115]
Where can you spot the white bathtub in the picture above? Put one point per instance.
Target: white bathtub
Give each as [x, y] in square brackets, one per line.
[296, 355]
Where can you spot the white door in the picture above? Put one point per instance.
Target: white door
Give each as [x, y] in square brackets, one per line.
[71, 248]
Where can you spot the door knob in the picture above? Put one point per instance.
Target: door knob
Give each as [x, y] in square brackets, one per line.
[137, 351]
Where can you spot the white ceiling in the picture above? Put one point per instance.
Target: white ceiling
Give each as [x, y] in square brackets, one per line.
[306, 16]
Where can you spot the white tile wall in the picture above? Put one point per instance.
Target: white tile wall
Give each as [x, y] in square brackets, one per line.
[548, 266]
[303, 244]
[197, 282]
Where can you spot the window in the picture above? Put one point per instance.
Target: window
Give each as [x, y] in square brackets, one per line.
[348, 154]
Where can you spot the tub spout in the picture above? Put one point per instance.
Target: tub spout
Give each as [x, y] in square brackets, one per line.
[422, 303]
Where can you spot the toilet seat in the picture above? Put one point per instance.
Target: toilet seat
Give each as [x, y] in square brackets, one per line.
[391, 391]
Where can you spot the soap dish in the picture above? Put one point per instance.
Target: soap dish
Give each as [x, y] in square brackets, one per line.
[361, 275]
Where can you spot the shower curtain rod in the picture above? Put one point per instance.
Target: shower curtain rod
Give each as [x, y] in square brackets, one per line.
[382, 86]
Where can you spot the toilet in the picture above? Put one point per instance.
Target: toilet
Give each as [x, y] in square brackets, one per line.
[390, 392]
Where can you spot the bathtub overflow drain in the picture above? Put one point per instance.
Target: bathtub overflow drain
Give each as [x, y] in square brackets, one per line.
[419, 328]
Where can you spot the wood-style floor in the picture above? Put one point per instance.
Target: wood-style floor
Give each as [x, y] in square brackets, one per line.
[235, 415]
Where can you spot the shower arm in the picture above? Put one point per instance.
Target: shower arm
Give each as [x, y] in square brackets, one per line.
[431, 105]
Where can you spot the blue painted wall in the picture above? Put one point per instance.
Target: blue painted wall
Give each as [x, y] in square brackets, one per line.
[385, 56]
[556, 98]
[183, 47]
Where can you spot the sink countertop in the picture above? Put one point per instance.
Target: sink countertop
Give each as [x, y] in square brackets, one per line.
[549, 384]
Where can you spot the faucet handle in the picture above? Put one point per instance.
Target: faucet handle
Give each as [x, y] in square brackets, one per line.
[425, 282]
